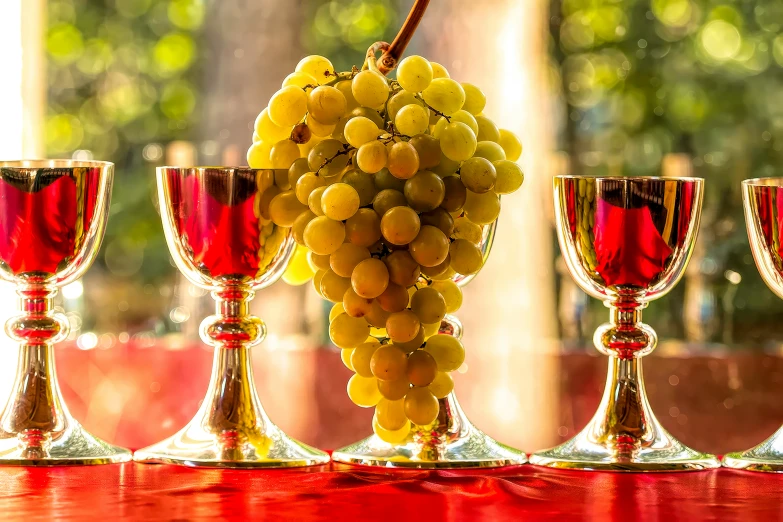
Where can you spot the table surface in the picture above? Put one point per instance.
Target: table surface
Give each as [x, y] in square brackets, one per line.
[340, 492]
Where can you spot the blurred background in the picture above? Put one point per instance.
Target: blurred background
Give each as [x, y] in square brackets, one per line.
[608, 87]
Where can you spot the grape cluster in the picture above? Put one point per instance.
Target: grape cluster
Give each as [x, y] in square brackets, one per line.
[388, 187]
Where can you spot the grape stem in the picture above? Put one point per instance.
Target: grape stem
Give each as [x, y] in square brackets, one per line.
[393, 52]
[346, 150]
[447, 118]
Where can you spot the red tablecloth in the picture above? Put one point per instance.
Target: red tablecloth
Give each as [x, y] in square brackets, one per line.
[344, 493]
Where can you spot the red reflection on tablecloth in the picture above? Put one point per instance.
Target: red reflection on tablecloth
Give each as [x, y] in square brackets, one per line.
[344, 493]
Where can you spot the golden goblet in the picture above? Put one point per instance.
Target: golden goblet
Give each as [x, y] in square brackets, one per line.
[762, 199]
[452, 441]
[52, 219]
[627, 242]
[217, 226]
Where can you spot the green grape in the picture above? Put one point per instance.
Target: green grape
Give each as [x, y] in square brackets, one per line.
[439, 218]
[488, 131]
[436, 271]
[299, 79]
[370, 89]
[444, 276]
[448, 351]
[363, 228]
[340, 201]
[314, 201]
[345, 356]
[422, 368]
[355, 305]
[428, 150]
[299, 271]
[391, 437]
[363, 391]
[482, 209]
[475, 100]
[281, 179]
[348, 332]
[377, 316]
[363, 184]
[511, 144]
[318, 67]
[324, 156]
[391, 414]
[299, 225]
[400, 225]
[387, 199]
[452, 295]
[385, 180]
[263, 201]
[370, 278]
[319, 262]
[326, 104]
[318, 128]
[414, 74]
[403, 326]
[371, 157]
[394, 390]
[360, 130]
[430, 247]
[256, 137]
[478, 174]
[319, 275]
[424, 191]
[267, 130]
[466, 229]
[510, 177]
[345, 259]
[298, 168]
[411, 120]
[360, 359]
[429, 306]
[403, 269]
[333, 286]
[489, 150]
[258, 155]
[438, 71]
[460, 116]
[457, 141]
[394, 298]
[400, 100]
[446, 167]
[442, 385]
[323, 235]
[388, 363]
[336, 310]
[444, 95]
[345, 88]
[370, 114]
[421, 406]
[306, 184]
[430, 329]
[284, 209]
[465, 257]
[414, 344]
[403, 160]
[288, 106]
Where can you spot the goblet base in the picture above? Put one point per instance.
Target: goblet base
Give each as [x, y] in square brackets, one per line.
[451, 442]
[244, 448]
[73, 446]
[767, 456]
[665, 453]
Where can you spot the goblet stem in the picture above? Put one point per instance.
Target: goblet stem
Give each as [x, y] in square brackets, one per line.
[231, 428]
[35, 426]
[451, 441]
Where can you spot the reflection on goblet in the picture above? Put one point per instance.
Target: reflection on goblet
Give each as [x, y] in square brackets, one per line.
[52, 219]
[763, 201]
[451, 441]
[627, 242]
[217, 226]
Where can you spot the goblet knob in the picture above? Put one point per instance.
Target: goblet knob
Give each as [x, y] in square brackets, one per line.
[451, 441]
[52, 219]
[217, 226]
[762, 199]
[627, 242]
